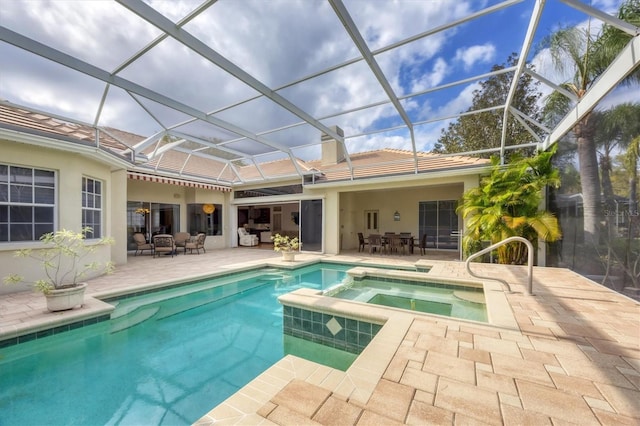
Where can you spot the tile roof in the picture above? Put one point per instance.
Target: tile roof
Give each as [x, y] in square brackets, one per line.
[370, 164]
[43, 125]
[390, 162]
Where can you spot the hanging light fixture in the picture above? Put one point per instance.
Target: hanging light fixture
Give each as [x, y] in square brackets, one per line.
[208, 208]
[396, 216]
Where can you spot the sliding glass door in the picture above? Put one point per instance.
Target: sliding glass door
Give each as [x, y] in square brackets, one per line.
[151, 219]
[439, 220]
[311, 225]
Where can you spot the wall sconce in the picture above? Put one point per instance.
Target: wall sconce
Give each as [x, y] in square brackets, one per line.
[396, 216]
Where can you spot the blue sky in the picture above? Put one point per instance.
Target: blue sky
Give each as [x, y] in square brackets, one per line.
[275, 42]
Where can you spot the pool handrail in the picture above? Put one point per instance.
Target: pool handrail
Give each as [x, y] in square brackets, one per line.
[496, 245]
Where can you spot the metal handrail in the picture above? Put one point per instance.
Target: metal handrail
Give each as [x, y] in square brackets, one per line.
[496, 245]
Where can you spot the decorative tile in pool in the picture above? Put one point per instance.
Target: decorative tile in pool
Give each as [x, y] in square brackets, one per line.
[338, 332]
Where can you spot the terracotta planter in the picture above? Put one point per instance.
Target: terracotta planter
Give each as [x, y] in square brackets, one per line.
[66, 298]
[288, 256]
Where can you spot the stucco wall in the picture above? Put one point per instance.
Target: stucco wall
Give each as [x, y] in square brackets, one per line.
[387, 201]
[345, 204]
[69, 168]
[153, 192]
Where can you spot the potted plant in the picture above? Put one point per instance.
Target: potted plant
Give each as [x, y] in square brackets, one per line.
[287, 245]
[62, 262]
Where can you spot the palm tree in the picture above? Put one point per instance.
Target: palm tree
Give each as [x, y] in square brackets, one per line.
[620, 127]
[619, 130]
[588, 57]
[631, 159]
[612, 40]
[506, 204]
[569, 47]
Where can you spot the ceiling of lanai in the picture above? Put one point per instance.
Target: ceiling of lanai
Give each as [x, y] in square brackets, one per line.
[216, 86]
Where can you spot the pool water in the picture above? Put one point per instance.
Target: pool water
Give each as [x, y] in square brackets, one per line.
[164, 358]
[421, 297]
[412, 304]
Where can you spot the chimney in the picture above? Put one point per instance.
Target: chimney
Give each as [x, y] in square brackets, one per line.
[332, 151]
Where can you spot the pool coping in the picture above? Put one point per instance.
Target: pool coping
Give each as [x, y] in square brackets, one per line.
[569, 317]
[93, 310]
[359, 381]
[499, 310]
[356, 384]
[96, 304]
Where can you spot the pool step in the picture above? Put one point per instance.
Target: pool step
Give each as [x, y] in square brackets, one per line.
[218, 294]
[470, 296]
[274, 276]
[130, 320]
[126, 306]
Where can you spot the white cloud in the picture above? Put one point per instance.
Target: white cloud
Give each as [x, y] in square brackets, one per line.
[275, 42]
[470, 56]
[431, 79]
[620, 95]
[101, 33]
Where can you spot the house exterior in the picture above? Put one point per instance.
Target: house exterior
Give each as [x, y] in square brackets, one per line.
[55, 174]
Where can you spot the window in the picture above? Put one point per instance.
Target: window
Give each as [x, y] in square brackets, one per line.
[92, 206]
[265, 192]
[27, 203]
[205, 218]
[371, 221]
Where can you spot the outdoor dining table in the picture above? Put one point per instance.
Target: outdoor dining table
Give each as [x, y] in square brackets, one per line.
[407, 240]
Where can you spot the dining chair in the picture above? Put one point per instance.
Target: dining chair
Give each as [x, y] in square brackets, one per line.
[362, 241]
[375, 243]
[423, 244]
[395, 244]
[407, 240]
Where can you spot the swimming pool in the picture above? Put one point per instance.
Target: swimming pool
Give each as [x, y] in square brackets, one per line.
[164, 358]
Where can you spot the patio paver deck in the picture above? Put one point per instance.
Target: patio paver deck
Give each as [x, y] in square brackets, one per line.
[574, 357]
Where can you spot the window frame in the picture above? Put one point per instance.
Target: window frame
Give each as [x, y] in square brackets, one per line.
[86, 208]
[198, 220]
[39, 191]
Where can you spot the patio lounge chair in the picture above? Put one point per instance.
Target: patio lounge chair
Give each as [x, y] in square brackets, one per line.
[247, 239]
[141, 243]
[181, 239]
[163, 244]
[196, 244]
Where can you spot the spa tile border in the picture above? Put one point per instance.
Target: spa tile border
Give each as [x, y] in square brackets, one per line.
[351, 335]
